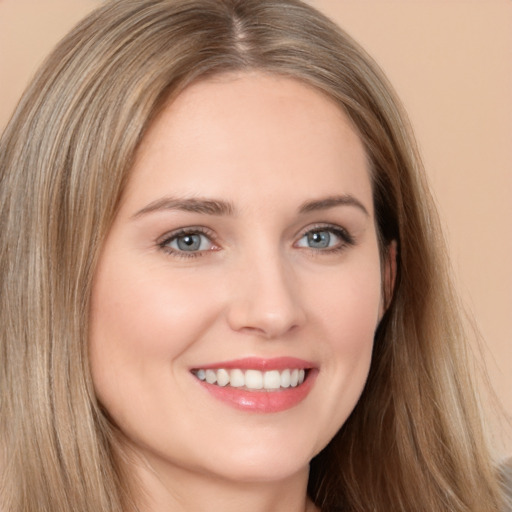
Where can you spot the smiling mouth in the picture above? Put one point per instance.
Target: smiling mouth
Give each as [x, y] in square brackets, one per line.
[253, 380]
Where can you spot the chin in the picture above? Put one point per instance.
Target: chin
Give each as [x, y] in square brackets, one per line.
[263, 464]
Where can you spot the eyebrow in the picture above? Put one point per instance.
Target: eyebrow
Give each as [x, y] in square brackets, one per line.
[192, 204]
[332, 202]
[219, 207]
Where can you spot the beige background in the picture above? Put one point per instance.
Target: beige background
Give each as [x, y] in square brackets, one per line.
[451, 62]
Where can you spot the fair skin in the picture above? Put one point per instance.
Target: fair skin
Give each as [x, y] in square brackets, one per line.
[246, 232]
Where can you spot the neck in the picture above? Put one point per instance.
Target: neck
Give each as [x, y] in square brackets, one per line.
[181, 490]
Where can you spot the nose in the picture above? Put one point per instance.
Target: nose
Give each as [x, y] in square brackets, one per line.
[265, 300]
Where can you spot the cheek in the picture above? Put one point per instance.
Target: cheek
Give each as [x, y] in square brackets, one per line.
[349, 303]
[144, 310]
[359, 313]
[358, 317]
[140, 325]
[348, 312]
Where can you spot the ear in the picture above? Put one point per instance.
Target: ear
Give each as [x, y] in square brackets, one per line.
[389, 274]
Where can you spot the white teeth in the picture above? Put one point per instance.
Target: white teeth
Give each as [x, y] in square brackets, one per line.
[211, 376]
[222, 377]
[272, 380]
[285, 378]
[253, 379]
[237, 378]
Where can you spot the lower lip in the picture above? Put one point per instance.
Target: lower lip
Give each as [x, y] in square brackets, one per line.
[262, 401]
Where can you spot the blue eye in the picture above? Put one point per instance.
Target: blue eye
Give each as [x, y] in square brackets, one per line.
[319, 239]
[325, 239]
[187, 241]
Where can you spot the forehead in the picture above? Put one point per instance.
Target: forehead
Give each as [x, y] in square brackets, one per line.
[247, 129]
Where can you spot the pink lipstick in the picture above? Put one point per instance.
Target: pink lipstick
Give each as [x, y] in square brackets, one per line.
[257, 384]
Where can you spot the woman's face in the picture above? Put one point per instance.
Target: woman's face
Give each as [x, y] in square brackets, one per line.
[244, 251]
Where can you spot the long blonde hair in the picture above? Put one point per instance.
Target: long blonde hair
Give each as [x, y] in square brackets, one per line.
[413, 442]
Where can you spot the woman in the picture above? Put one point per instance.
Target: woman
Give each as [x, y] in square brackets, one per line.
[223, 277]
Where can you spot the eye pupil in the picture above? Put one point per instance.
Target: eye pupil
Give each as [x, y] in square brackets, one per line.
[189, 242]
[319, 239]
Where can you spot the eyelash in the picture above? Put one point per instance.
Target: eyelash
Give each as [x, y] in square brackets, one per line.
[171, 237]
[346, 240]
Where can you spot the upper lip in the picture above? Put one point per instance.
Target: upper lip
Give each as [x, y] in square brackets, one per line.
[258, 363]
